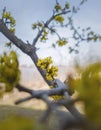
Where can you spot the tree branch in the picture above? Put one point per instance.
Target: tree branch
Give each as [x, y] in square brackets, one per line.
[47, 24]
[39, 93]
[76, 119]
[26, 48]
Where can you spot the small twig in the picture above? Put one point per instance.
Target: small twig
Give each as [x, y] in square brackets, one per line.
[47, 24]
[24, 89]
[23, 100]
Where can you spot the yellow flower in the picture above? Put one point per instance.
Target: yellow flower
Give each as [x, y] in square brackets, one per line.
[12, 30]
[8, 18]
[51, 72]
[58, 7]
[45, 64]
[48, 76]
[56, 97]
[59, 19]
[62, 42]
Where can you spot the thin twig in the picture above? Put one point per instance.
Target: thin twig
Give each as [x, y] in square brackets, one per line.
[47, 24]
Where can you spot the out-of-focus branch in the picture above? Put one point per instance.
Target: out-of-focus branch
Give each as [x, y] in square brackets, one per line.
[76, 118]
[24, 89]
[39, 93]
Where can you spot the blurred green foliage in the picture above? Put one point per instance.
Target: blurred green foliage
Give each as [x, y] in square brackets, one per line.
[16, 123]
[9, 70]
[20, 118]
[88, 86]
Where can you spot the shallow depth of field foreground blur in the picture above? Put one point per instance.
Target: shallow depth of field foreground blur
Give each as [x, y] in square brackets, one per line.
[31, 78]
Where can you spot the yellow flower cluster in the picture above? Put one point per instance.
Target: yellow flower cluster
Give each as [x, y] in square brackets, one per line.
[67, 6]
[12, 30]
[44, 35]
[56, 97]
[9, 20]
[59, 19]
[38, 24]
[45, 64]
[57, 7]
[62, 42]
[51, 72]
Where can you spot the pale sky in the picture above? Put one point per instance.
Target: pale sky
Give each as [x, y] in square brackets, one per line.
[27, 12]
